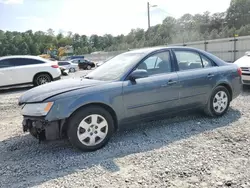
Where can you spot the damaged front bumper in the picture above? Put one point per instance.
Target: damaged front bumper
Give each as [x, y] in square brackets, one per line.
[42, 129]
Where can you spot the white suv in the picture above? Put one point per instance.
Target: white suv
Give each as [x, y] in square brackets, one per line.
[22, 70]
[244, 64]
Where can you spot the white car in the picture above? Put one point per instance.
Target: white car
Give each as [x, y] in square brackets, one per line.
[244, 64]
[23, 70]
[72, 67]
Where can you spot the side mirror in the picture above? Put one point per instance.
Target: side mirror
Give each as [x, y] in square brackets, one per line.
[139, 73]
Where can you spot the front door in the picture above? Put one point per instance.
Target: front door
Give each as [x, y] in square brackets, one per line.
[155, 94]
[7, 75]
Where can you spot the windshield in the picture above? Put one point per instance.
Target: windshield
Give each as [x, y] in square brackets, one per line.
[116, 67]
[74, 61]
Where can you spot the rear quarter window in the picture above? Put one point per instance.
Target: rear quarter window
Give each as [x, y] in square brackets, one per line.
[207, 62]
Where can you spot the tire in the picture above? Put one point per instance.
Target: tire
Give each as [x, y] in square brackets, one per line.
[72, 70]
[42, 78]
[217, 108]
[89, 67]
[93, 136]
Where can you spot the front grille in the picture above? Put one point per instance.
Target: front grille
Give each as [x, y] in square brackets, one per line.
[246, 81]
[246, 74]
[246, 69]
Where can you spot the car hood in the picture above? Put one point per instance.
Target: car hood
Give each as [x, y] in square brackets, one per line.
[43, 92]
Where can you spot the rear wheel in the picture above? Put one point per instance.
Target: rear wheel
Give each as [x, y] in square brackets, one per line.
[218, 103]
[72, 70]
[88, 67]
[90, 128]
[41, 79]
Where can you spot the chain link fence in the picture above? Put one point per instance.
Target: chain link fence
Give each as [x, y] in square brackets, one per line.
[228, 49]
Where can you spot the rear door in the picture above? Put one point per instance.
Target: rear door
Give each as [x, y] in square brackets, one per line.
[67, 65]
[7, 74]
[25, 69]
[197, 75]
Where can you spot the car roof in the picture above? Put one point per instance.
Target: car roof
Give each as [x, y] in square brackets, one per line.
[23, 56]
[68, 61]
[152, 49]
[146, 51]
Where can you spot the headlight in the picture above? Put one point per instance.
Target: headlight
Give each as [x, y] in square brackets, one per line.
[36, 109]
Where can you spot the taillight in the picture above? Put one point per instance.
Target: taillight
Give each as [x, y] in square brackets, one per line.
[239, 71]
[54, 66]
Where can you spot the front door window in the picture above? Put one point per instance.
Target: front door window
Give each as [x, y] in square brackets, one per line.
[157, 64]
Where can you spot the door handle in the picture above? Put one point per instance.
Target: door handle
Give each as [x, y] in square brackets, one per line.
[170, 82]
[210, 75]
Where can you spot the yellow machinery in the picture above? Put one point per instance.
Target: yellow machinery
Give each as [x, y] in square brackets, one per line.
[46, 56]
[53, 53]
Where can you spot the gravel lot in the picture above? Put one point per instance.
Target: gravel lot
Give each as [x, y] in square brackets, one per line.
[185, 151]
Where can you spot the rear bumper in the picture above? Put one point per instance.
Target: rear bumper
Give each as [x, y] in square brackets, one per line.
[237, 87]
[42, 129]
[57, 78]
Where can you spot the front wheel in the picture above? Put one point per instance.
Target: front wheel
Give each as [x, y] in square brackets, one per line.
[218, 103]
[90, 128]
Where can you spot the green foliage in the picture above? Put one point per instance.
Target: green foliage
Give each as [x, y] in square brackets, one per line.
[236, 20]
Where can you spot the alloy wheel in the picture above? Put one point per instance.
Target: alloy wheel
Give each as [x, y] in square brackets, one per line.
[92, 130]
[43, 79]
[220, 102]
[71, 70]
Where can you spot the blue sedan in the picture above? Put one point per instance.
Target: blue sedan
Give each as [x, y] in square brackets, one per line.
[134, 86]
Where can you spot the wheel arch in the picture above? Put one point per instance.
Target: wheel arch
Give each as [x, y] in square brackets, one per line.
[228, 87]
[97, 104]
[44, 72]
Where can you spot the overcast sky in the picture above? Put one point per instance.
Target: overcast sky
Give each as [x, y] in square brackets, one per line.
[96, 16]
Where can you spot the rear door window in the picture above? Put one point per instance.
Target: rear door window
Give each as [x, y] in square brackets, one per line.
[63, 63]
[25, 61]
[188, 60]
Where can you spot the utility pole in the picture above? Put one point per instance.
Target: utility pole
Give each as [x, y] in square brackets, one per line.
[235, 40]
[182, 30]
[148, 10]
[148, 15]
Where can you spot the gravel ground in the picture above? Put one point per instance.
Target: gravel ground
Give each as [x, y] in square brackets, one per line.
[184, 151]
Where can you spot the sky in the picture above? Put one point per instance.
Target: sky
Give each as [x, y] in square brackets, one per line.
[96, 16]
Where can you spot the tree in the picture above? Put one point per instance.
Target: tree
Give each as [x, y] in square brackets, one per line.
[34, 49]
[185, 29]
[238, 13]
[24, 49]
[50, 32]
